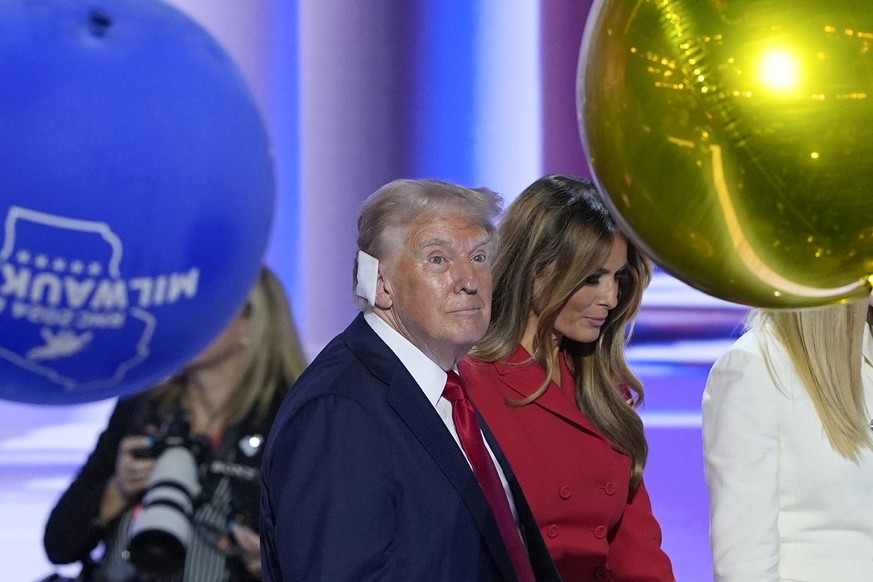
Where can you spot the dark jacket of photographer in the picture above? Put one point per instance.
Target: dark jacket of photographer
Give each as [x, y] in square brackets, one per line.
[229, 476]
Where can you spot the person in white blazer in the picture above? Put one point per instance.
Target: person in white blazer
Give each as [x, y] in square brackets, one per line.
[789, 449]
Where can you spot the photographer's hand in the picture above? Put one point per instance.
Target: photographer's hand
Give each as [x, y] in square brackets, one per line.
[248, 544]
[129, 480]
[131, 471]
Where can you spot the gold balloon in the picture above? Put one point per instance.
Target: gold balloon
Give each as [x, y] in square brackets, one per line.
[734, 140]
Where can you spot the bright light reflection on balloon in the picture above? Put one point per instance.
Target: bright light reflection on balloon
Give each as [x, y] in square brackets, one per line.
[779, 70]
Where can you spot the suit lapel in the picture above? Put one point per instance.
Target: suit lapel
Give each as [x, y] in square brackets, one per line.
[411, 405]
[423, 421]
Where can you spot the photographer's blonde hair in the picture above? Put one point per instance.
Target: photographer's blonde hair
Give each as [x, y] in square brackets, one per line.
[274, 355]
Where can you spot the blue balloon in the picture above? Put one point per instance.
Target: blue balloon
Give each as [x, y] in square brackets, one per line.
[136, 196]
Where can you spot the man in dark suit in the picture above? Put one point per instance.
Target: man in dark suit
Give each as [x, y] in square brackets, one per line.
[367, 474]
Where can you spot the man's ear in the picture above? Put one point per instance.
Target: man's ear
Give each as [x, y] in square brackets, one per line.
[384, 292]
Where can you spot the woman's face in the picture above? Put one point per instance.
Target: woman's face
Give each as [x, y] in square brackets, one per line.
[231, 341]
[585, 312]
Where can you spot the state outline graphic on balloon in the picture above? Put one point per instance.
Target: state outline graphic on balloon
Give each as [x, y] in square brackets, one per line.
[63, 343]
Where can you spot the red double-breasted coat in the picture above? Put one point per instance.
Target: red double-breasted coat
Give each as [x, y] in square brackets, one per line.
[576, 482]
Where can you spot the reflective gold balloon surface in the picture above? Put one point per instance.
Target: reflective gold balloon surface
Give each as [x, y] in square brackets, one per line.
[734, 139]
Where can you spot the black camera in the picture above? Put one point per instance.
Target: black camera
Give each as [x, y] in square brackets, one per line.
[161, 532]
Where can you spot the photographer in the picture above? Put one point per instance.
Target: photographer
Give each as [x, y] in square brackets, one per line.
[209, 421]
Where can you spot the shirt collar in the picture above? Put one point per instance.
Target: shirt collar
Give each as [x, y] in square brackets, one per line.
[426, 373]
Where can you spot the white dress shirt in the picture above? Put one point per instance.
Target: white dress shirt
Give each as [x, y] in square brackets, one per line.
[785, 505]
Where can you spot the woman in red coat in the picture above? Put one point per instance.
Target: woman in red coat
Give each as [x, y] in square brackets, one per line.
[552, 382]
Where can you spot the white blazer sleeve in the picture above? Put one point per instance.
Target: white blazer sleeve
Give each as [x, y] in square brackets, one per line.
[741, 451]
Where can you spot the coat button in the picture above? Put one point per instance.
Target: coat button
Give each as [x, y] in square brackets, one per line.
[600, 574]
[609, 488]
[565, 492]
[600, 532]
[552, 531]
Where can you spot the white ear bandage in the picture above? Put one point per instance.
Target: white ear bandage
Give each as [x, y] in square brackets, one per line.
[368, 273]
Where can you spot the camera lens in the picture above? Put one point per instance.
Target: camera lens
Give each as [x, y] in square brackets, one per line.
[160, 534]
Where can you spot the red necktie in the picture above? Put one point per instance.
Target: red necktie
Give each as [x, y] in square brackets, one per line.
[470, 435]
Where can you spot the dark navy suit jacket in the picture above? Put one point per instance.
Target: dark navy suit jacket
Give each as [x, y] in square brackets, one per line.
[362, 481]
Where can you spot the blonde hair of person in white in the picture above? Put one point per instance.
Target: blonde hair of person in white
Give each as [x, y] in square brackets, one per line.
[789, 449]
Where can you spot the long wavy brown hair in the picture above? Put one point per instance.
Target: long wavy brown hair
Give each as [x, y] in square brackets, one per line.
[554, 236]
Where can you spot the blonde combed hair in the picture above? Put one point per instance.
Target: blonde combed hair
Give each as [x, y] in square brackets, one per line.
[387, 213]
[825, 346]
